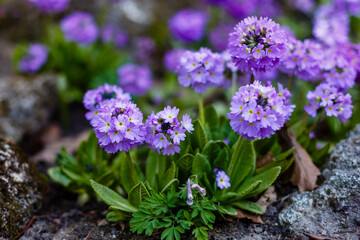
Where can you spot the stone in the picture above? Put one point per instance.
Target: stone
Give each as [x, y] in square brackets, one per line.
[332, 210]
[21, 186]
[26, 103]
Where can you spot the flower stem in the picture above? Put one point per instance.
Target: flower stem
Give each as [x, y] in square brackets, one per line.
[252, 78]
[201, 110]
[318, 119]
[291, 82]
[132, 168]
[234, 83]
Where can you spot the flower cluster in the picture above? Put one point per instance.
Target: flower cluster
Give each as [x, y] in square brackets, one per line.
[35, 58]
[257, 44]
[144, 48]
[118, 125]
[134, 78]
[222, 180]
[219, 35]
[303, 59]
[189, 195]
[79, 27]
[50, 6]
[94, 98]
[334, 102]
[201, 69]
[188, 25]
[112, 33]
[258, 111]
[172, 58]
[165, 131]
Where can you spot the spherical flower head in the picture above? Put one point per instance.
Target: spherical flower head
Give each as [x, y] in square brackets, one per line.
[50, 6]
[135, 79]
[118, 125]
[303, 59]
[144, 49]
[165, 132]
[331, 24]
[201, 69]
[257, 44]
[339, 68]
[327, 97]
[35, 58]
[112, 33]
[188, 25]
[94, 98]
[172, 59]
[219, 35]
[79, 27]
[258, 111]
[222, 180]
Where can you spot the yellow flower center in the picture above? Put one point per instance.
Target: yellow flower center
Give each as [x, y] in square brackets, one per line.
[108, 124]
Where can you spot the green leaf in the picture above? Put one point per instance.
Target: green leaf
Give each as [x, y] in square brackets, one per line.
[116, 216]
[74, 176]
[284, 154]
[227, 209]
[137, 193]
[112, 198]
[169, 175]
[185, 163]
[126, 178]
[201, 166]
[198, 137]
[151, 169]
[58, 176]
[246, 188]
[267, 177]
[201, 233]
[319, 156]
[217, 153]
[211, 116]
[284, 164]
[173, 181]
[242, 162]
[249, 206]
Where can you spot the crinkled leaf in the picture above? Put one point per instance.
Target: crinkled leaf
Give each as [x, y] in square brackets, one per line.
[116, 216]
[137, 193]
[198, 137]
[248, 206]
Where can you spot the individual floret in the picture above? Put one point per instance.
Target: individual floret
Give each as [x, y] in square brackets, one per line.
[35, 58]
[165, 131]
[258, 111]
[222, 180]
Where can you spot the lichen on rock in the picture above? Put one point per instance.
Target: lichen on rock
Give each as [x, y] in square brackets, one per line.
[21, 186]
[333, 210]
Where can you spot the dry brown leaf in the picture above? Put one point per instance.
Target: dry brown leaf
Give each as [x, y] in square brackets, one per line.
[48, 154]
[303, 173]
[264, 160]
[252, 217]
[267, 198]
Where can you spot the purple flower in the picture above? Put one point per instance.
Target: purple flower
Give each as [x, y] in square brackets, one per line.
[172, 59]
[188, 25]
[135, 79]
[306, 6]
[35, 58]
[219, 36]
[241, 9]
[229, 64]
[94, 98]
[118, 125]
[331, 24]
[257, 44]
[79, 27]
[50, 6]
[303, 59]
[112, 33]
[222, 180]
[190, 198]
[200, 189]
[327, 97]
[201, 70]
[165, 131]
[144, 48]
[258, 111]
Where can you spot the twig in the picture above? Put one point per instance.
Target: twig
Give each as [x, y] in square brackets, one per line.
[26, 227]
[89, 233]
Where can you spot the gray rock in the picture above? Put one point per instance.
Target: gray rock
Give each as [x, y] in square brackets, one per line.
[332, 210]
[20, 189]
[25, 104]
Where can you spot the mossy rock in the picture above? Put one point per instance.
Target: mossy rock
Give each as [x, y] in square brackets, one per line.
[21, 187]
